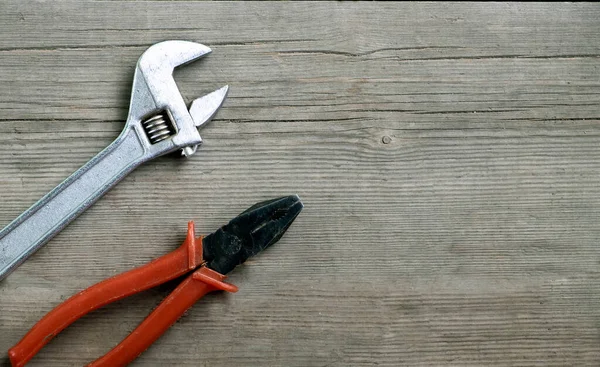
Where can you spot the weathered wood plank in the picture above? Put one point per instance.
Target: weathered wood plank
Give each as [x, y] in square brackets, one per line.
[447, 155]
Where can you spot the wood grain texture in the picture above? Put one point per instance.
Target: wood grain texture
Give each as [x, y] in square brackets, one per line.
[448, 156]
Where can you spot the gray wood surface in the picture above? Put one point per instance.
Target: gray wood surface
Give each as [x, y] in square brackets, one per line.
[448, 156]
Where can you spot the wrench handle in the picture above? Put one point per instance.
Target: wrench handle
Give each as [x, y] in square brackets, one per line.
[38, 224]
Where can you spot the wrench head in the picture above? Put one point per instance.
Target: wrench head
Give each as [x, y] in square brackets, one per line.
[155, 92]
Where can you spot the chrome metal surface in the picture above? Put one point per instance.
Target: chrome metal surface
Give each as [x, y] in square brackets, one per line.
[154, 94]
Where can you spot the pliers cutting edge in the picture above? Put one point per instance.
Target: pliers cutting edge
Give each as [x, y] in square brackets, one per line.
[207, 258]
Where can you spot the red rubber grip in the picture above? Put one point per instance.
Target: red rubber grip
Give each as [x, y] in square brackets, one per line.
[193, 288]
[170, 266]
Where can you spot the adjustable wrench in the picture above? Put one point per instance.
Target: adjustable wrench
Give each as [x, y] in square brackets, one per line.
[158, 123]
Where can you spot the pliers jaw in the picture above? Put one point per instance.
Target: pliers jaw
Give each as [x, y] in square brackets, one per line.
[249, 233]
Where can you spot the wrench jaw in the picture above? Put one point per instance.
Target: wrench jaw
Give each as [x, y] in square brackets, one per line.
[168, 55]
[204, 108]
[155, 93]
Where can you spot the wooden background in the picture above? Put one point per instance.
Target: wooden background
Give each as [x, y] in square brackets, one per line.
[448, 156]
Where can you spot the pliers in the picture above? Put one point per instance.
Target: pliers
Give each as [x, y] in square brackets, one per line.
[207, 259]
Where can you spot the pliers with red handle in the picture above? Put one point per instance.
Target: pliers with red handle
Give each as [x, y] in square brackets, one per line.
[206, 258]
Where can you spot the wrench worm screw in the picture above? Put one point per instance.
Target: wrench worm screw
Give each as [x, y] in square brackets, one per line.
[159, 127]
